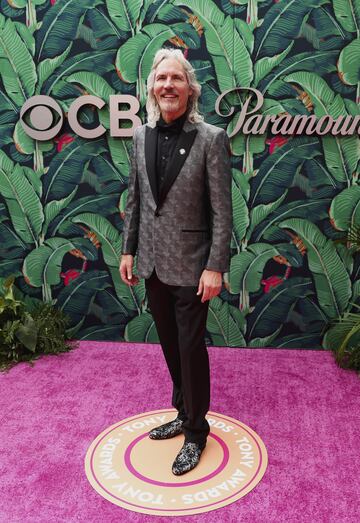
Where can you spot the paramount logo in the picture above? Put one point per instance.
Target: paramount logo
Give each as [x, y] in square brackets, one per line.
[40, 111]
[285, 124]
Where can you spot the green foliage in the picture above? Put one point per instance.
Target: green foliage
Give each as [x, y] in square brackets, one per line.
[28, 330]
[343, 337]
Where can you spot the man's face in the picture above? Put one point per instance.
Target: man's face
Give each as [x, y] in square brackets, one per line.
[171, 89]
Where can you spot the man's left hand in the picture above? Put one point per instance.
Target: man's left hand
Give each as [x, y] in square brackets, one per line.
[209, 284]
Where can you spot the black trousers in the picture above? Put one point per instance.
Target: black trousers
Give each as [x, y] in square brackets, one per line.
[180, 319]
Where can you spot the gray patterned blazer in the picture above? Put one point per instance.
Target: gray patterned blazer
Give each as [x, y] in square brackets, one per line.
[187, 227]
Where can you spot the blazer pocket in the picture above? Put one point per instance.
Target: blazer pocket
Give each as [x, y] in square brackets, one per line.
[194, 230]
[195, 235]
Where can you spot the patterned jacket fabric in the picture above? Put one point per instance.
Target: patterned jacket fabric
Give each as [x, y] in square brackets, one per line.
[188, 226]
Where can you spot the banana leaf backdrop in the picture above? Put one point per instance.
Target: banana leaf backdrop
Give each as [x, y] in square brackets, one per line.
[62, 201]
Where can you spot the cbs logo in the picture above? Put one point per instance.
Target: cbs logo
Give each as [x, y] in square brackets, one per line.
[42, 112]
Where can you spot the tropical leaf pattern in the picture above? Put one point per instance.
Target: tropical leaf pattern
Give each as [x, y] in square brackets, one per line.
[62, 202]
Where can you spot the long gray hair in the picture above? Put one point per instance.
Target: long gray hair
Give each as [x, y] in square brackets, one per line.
[152, 107]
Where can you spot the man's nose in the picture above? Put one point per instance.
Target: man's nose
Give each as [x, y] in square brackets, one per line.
[168, 82]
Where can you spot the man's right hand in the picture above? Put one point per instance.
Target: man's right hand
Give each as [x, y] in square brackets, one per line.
[126, 270]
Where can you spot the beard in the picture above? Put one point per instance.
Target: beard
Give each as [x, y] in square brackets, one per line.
[169, 104]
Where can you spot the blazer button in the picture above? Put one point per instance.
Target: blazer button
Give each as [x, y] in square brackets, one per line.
[157, 213]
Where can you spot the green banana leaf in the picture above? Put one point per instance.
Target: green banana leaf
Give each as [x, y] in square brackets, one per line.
[346, 328]
[291, 253]
[276, 172]
[295, 209]
[60, 26]
[107, 235]
[100, 61]
[240, 214]
[241, 179]
[86, 34]
[97, 203]
[23, 204]
[106, 171]
[112, 309]
[12, 245]
[17, 67]
[349, 63]
[347, 13]
[225, 324]
[77, 297]
[135, 56]
[345, 209]
[281, 22]
[318, 175]
[309, 33]
[125, 13]
[13, 251]
[247, 267]
[52, 209]
[266, 341]
[245, 145]
[224, 42]
[48, 66]
[93, 83]
[328, 29]
[320, 61]
[272, 309]
[322, 96]
[105, 31]
[27, 145]
[346, 257]
[42, 266]
[66, 168]
[299, 341]
[355, 291]
[111, 240]
[120, 154]
[252, 11]
[341, 153]
[100, 332]
[20, 4]
[314, 319]
[161, 10]
[259, 213]
[141, 329]
[332, 282]
[264, 66]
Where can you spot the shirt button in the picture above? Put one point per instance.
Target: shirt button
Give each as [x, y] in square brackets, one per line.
[166, 137]
[163, 157]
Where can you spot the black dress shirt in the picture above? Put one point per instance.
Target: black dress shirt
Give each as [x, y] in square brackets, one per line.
[167, 137]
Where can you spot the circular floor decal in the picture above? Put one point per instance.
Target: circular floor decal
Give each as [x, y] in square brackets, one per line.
[134, 472]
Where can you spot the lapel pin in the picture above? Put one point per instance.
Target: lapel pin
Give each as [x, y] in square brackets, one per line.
[182, 151]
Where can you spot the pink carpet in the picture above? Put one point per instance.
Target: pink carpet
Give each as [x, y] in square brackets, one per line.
[305, 409]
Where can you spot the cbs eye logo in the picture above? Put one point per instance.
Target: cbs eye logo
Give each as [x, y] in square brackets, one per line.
[41, 112]
[38, 111]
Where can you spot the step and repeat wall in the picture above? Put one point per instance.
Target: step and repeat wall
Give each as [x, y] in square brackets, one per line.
[62, 200]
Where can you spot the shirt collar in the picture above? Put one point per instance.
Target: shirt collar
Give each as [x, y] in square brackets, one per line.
[175, 126]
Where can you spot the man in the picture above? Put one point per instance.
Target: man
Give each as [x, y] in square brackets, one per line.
[178, 219]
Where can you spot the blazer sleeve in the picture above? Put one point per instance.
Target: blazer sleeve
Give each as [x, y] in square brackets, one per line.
[132, 209]
[219, 180]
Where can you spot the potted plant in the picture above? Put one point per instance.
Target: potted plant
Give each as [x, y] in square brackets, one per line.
[28, 327]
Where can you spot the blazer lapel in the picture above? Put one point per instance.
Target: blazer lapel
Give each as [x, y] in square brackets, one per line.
[182, 150]
[150, 158]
